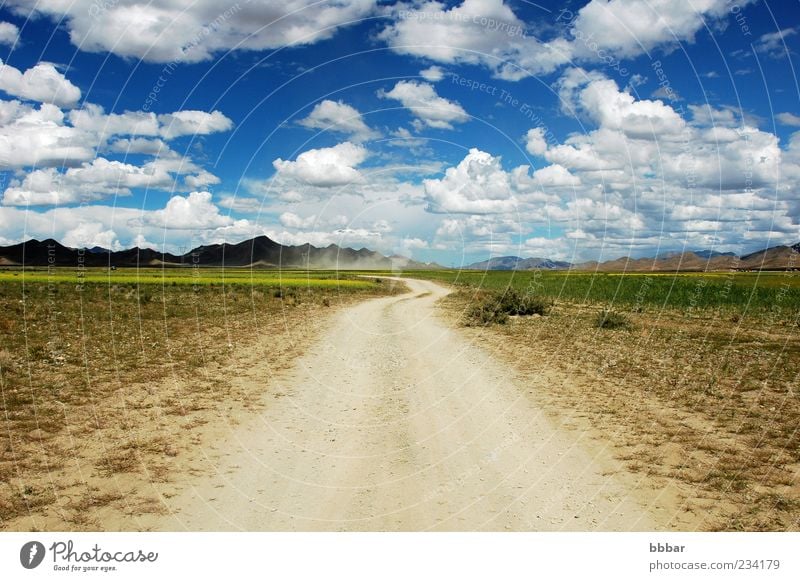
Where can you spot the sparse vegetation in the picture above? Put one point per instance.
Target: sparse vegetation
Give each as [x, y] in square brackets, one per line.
[497, 307]
[105, 385]
[608, 319]
[773, 293]
[701, 400]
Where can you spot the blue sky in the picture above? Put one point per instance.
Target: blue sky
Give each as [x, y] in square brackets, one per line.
[445, 131]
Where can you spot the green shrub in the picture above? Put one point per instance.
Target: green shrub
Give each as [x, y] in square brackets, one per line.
[498, 306]
[608, 319]
[486, 312]
[513, 302]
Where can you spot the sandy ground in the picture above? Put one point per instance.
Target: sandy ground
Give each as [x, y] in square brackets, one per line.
[392, 420]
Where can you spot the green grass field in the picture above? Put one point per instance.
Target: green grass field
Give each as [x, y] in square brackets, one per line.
[741, 291]
[750, 291]
[290, 279]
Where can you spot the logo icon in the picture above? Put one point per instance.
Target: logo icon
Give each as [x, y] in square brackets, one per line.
[31, 554]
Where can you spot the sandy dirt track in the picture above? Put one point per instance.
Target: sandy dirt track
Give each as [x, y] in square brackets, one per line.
[394, 421]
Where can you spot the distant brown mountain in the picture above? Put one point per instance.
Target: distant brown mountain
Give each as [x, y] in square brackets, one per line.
[775, 258]
[257, 252]
[517, 263]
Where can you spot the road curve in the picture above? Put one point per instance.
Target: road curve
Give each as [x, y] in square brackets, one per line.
[394, 421]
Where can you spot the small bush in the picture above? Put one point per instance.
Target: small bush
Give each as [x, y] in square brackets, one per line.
[497, 307]
[514, 302]
[608, 319]
[486, 312]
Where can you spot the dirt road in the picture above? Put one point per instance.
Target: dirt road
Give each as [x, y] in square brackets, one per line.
[393, 421]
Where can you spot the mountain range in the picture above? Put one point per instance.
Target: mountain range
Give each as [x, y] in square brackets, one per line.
[517, 263]
[266, 253]
[257, 252]
[774, 258]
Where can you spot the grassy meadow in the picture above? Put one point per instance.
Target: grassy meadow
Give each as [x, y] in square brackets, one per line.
[289, 279]
[755, 292]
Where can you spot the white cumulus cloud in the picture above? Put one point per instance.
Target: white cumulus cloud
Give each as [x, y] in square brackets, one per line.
[325, 167]
[41, 83]
[193, 212]
[339, 116]
[477, 185]
[9, 33]
[167, 31]
[423, 101]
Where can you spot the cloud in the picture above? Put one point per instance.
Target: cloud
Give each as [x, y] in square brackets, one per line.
[479, 32]
[665, 93]
[94, 120]
[66, 152]
[647, 176]
[292, 220]
[432, 74]
[535, 142]
[184, 222]
[139, 145]
[602, 101]
[431, 109]
[326, 167]
[9, 33]
[773, 44]
[200, 180]
[342, 237]
[789, 119]
[89, 235]
[46, 137]
[176, 32]
[479, 233]
[651, 138]
[189, 122]
[555, 176]
[193, 212]
[38, 137]
[98, 179]
[628, 28]
[41, 83]
[402, 137]
[340, 117]
[243, 204]
[477, 185]
[489, 33]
